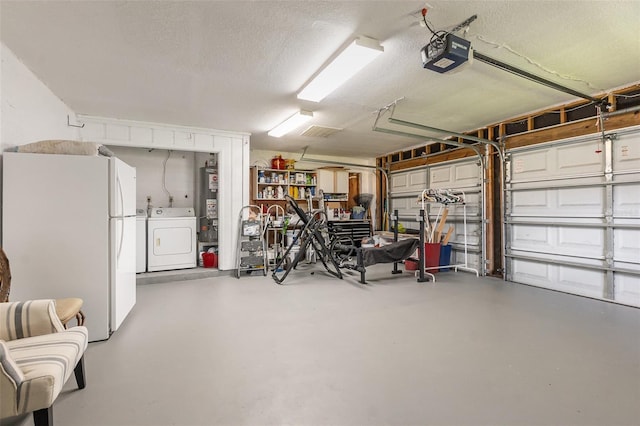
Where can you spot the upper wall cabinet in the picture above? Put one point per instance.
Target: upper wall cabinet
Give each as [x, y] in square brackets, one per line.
[333, 181]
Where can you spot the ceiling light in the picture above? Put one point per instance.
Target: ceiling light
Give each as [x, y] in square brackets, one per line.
[356, 56]
[296, 120]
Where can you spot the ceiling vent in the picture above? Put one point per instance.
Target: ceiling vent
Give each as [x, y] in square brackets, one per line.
[320, 131]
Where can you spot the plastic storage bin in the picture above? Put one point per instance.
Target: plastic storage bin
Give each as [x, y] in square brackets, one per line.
[431, 256]
[209, 260]
[445, 256]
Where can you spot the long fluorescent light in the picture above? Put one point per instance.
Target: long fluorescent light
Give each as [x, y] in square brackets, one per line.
[296, 120]
[356, 56]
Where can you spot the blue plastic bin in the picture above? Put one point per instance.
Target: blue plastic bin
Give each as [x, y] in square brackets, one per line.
[445, 256]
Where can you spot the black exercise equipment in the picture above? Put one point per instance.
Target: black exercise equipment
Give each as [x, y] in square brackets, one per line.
[338, 251]
[312, 234]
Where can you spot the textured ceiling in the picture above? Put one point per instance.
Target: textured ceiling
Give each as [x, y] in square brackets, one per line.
[236, 65]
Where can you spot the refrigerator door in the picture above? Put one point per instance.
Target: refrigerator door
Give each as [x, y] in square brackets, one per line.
[56, 231]
[123, 269]
[122, 194]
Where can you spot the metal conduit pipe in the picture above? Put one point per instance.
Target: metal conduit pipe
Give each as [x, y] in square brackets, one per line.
[448, 132]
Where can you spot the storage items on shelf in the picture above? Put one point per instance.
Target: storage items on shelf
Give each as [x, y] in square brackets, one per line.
[277, 163]
[274, 184]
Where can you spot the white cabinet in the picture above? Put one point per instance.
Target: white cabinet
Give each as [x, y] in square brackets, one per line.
[333, 181]
[342, 182]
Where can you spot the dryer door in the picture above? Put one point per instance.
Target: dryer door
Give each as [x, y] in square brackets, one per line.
[171, 244]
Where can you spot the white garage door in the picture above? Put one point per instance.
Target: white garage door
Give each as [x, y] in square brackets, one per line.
[406, 187]
[573, 216]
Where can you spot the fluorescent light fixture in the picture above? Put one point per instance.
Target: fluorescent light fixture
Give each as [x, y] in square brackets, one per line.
[296, 120]
[356, 56]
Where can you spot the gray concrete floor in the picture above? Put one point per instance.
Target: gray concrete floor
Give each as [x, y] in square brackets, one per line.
[320, 351]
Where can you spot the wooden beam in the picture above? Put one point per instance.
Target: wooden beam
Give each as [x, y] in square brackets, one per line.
[572, 129]
[438, 158]
[612, 102]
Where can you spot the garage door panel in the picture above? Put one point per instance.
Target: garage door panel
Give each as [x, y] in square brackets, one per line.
[528, 272]
[557, 277]
[473, 234]
[627, 245]
[440, 177]
[530, 165]
[627, 289]
[413, 180]
[586, 282]
[526, 237]
[405, 205]
[466, 173]
[626, 200]
[581, 201]
[626, 152]
[588, 242]
[574, 159]
[564, 188]
[530, 199]
[583, 242]
[557, 161]
[473, 259]
[457, 175]
[567, 202]
[399, 181]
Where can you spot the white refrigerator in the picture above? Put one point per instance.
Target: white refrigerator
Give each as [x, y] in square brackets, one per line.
[69, 230]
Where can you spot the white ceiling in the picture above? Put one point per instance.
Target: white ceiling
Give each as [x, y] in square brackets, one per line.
[236, 65]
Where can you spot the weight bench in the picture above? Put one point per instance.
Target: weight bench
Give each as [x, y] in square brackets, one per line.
[366, 256]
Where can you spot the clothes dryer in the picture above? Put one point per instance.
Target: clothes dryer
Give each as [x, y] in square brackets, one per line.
[171, 239]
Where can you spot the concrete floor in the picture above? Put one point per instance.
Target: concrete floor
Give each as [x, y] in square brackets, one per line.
[320, 351]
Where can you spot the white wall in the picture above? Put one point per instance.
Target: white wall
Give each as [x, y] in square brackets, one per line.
[29, 111]
[179, 178]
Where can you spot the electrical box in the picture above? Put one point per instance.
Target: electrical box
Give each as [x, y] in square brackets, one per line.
[444, 55]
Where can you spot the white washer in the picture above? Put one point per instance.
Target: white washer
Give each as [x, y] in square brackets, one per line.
[171, 239]
[141, 240]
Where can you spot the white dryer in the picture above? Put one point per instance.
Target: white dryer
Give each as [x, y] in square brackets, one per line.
[171, 239]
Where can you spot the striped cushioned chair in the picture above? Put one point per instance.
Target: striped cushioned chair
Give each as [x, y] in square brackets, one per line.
[37, 357]
[67, 308]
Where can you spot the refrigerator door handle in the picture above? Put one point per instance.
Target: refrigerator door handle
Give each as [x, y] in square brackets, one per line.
[121, 194]
[121, 238]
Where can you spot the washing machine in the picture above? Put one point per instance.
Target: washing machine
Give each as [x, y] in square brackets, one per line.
[171, 238]
[141, 240]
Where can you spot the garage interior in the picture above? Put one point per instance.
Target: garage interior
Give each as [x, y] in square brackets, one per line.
[533, 132]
